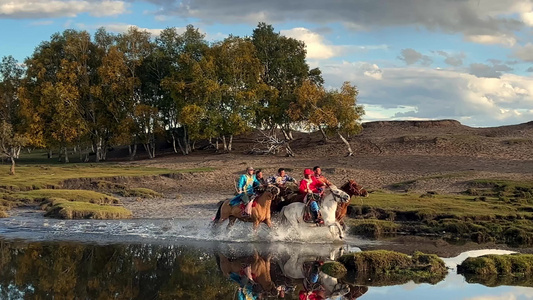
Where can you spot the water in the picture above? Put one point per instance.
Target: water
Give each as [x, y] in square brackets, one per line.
[185, 259]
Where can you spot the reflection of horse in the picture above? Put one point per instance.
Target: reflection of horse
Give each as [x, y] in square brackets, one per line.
[260, 212]
[259, 267]
[294, 212]
[353, 189]
[297, 268]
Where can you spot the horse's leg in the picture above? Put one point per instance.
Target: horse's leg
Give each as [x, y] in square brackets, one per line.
[341, 233]
[231, 222]
[268, 222]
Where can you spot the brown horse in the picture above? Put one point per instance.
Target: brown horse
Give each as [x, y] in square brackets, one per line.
[260, 270]
[260, 212]
[352, 188]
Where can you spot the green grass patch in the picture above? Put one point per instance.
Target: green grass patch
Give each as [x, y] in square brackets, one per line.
[518, 265]
[466, 216]
[334, 269]
[393, 267]
[69, 195]
[59, 208]
[46, 176]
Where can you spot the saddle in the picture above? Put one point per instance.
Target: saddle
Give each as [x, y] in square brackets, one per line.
[308, 217]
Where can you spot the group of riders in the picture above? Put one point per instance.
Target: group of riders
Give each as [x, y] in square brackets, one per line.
[311, 188]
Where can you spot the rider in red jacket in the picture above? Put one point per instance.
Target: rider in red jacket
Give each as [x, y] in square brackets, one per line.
[309, 186]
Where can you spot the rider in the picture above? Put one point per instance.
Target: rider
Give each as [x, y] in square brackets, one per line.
[245, 187]
[260, 177]
[309, 187]
[321, 178]
[281, 178]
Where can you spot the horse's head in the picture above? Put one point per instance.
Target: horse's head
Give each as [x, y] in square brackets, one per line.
[339, 195]
[354, 189]
[274, 190]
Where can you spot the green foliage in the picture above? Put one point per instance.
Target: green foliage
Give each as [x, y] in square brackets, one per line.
[457, 216]
[518, 265]
[64, 209]
[334, 269]
[393, 267]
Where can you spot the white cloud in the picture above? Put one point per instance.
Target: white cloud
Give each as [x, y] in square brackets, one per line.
[503, 39]
[439, 94]
[319, 48]
[316, 47]
[39, 9]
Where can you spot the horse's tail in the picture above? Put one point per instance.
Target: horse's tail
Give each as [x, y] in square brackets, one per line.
[217, 216]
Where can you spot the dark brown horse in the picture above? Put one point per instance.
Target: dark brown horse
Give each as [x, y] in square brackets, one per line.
[287, 195]
[352, 188]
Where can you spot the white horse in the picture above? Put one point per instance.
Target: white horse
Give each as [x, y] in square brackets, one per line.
[294, 268]
[294, 212]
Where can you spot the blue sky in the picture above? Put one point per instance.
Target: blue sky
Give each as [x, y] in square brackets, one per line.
[468, 60]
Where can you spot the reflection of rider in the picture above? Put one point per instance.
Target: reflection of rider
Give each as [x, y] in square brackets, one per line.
[312, 288]
[246, 283]
[245, 187]
[309, 186]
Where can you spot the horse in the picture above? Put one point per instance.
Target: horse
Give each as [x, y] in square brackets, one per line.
[353, 189]
[295, 268]
[260, 212]
[285, 197]
[294, 212]
[259, 267]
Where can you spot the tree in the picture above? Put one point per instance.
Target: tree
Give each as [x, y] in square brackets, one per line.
[190, 81]
[9, 143]
[331, 112]
[284, 69]
[342, 114]
[237, 75]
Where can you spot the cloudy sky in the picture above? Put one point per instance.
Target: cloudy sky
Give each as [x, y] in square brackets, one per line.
[469, 60]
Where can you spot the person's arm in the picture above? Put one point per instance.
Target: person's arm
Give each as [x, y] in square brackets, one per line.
[303, 187]
[242, 183]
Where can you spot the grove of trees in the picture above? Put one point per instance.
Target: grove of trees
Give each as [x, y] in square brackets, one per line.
[90, 93]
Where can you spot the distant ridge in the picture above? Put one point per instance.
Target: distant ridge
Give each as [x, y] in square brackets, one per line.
[411, 123]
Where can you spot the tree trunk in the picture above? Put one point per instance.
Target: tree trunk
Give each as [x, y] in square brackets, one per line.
[324, 136]
[50, 154]
[133, 152]
[181, 147]
[285, 134]
[174, 142]
[230, 142]
[66, 155]
[350, 152]
[12, 169]
[148, 149]
[225, 145]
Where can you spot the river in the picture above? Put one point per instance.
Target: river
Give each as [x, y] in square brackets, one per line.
[185, 259]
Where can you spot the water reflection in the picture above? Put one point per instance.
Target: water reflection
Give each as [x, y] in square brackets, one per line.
[69, 270]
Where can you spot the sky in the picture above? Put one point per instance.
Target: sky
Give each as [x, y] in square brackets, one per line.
[467, 60]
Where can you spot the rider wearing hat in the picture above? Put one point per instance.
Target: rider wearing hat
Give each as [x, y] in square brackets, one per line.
[309, 186]
[245, 188]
